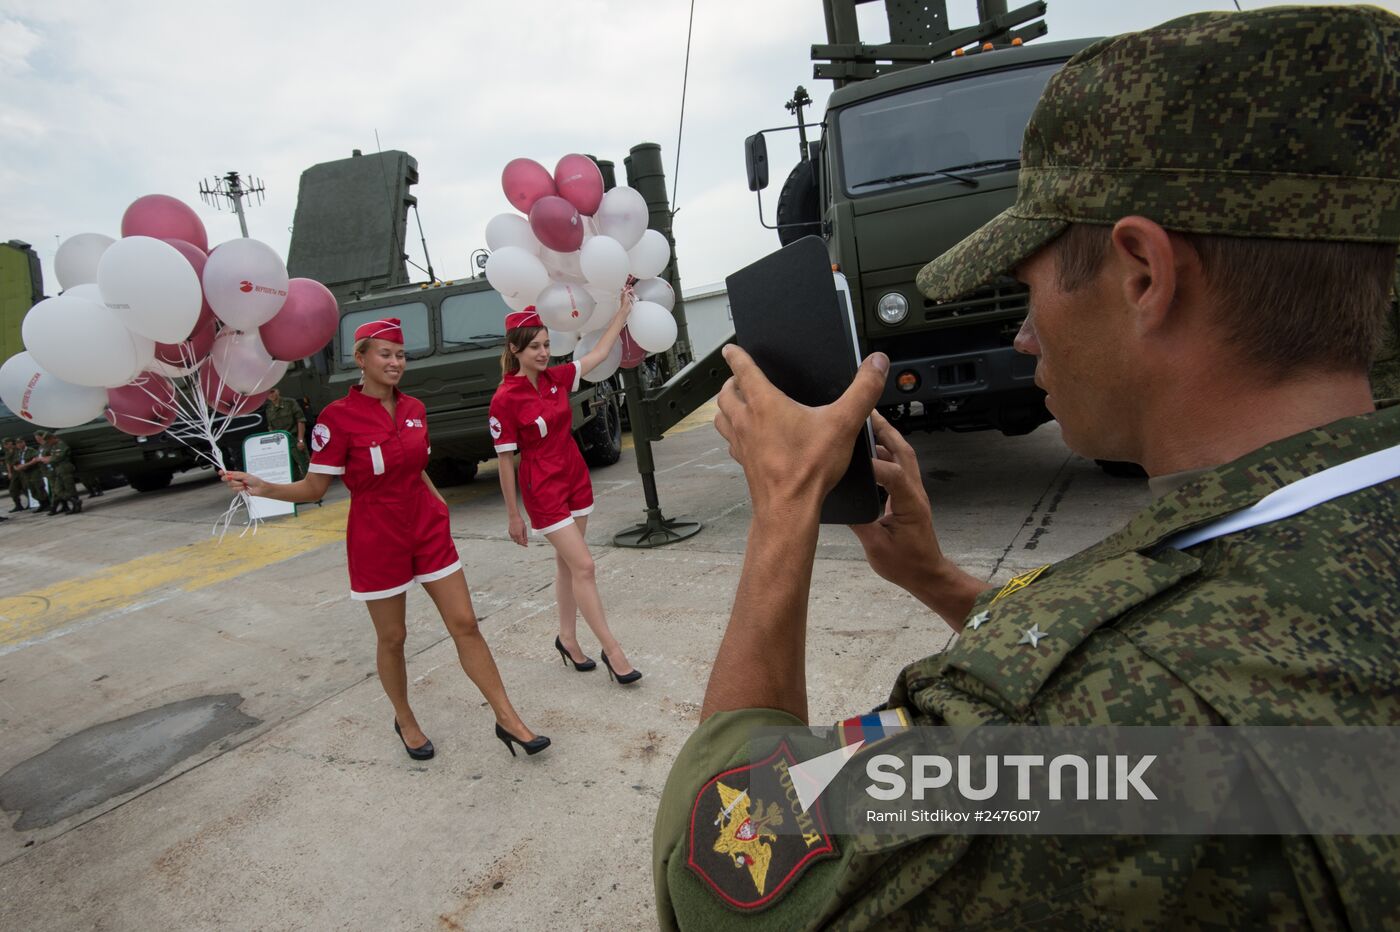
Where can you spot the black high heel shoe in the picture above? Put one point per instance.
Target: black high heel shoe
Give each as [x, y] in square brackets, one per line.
[588, 664]
[622, 678]
[534, 746]
[422, 752]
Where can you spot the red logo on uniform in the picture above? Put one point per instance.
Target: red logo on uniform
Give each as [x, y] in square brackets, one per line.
[495, 429]
[245, 286]
[320, 436]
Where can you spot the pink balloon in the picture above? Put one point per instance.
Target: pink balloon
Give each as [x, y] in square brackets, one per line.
[556, 223]
[224, 399]
[164, 217]
[306, 322]
[197, 257]
[143, 407]
[197, 347]
[526, 181]
[579, 182]
[632, 354]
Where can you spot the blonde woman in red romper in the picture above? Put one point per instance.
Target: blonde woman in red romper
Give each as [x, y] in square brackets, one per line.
[531, 418]
[398, 532]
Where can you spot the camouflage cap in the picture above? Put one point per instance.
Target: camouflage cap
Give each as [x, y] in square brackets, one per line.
[1276, 123]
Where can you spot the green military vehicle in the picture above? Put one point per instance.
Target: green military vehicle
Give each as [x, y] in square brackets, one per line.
[919, 147]
[349, 233]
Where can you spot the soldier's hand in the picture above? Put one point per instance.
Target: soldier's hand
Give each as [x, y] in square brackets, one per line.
[517, 531]
[900, 546]
[792, 454]
[244, 482]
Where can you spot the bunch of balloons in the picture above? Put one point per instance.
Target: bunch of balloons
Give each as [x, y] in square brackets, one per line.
[162, 334]
[573, 255]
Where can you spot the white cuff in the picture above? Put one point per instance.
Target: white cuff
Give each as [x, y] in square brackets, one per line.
[381, 594]
[435, 575]
[582, 513]
[578, 375]
[553, 527]
[504, 447]
[326, 470]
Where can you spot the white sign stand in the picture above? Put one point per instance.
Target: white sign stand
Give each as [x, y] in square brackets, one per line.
[269, 457]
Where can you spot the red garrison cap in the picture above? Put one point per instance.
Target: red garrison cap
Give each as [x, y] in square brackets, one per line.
[526, 318]
[387, 329]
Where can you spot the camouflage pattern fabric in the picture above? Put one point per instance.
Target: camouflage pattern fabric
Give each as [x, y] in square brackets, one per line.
[284, 416]
[1269, 123]
[61, 472]
[1291, 623]
[15, 477]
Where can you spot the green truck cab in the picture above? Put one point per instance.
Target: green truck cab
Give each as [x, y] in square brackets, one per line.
[348, 233]
[914, 156]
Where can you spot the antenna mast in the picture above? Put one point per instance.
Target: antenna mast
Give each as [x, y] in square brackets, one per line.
[231, 190]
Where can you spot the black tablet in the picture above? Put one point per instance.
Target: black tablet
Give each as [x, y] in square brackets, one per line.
[792, 318]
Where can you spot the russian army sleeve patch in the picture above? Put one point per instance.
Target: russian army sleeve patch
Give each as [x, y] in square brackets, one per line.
[750, 851]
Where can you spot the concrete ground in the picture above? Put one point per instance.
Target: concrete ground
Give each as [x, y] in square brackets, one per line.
[195, 737]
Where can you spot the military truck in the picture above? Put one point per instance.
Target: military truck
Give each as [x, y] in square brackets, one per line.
[920, 146]
[102, 454]
[349, 233]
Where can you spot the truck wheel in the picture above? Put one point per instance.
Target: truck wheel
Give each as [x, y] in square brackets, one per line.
[151, 481]
[799, 209]
[601, 438]
[448, 471]
[1121, 470]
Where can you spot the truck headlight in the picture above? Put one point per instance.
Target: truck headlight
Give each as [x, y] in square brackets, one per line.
[893, 308]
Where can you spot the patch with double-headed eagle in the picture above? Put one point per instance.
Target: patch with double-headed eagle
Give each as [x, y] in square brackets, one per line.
[736, 847]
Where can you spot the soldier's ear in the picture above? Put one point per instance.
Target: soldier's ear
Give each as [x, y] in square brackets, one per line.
[1144, 262]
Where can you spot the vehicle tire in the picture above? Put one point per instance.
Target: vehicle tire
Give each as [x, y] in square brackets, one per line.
[446, 472]
[151, 481]
[1121, 470]
[601, 438]
[799, 206]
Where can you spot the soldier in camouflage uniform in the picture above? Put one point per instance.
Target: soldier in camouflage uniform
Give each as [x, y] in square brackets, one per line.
[1153, 167]
[63, 486]
[31, 467]
[13, 475]
[286, 414]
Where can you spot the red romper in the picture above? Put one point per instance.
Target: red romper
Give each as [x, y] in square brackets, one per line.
[398, 531]
[537, 421]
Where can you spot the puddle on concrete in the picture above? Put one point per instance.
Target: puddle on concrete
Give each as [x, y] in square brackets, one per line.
[105, 761]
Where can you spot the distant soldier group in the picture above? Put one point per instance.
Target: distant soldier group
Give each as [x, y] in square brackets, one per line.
[43, 474]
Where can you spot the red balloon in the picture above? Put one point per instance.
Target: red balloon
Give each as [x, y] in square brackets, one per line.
[197, 347]
[143, 407]
[224, 399]
[526, 181]
[306, 322]
[632, 354]
[579, 182]
[164, 217]
[197, 257]
[556, 223]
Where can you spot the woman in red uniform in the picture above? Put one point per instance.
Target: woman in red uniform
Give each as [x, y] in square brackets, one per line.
[531, 418]
[398, 533]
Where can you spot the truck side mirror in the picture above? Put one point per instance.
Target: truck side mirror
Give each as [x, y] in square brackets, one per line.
[756, 161]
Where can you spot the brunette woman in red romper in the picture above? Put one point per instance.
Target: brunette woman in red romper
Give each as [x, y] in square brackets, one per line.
[531, 418]
[398, 532]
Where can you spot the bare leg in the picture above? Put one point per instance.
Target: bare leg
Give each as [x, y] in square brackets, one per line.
[568, 609]
[454, 604]
[388, 617]
[570, 546]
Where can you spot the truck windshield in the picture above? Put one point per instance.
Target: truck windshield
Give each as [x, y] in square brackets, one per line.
[922, 135]
[418, 340]
[476, 320]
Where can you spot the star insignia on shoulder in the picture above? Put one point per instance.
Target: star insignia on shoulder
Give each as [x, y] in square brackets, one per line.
[978, 620]
[1032, 636]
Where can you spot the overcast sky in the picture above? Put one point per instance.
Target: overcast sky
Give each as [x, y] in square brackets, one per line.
[101, 102]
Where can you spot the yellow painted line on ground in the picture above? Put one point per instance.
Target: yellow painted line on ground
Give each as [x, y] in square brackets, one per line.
[702, 416]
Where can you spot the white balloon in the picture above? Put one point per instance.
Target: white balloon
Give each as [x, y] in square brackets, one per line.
[657, 291]
[75, 263]
[608, 366]
[562, 266]
[562, 342]
[650, 256]
[245, 282]
[83, 342]
[175, 372]
[607, 303]
[244, 364]
[38, 396]
[511, 230]
[652, 327]
[151, 287]
[565, 307]
[517, 275]
[604, 263]
[623, 216]
[517, 304]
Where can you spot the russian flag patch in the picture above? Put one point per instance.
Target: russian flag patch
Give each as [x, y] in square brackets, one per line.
[877, 726]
